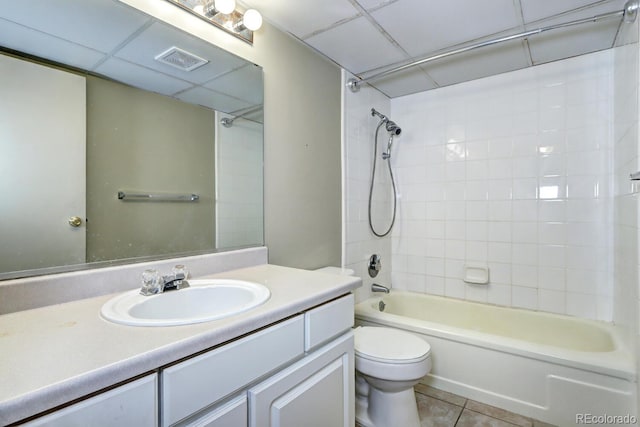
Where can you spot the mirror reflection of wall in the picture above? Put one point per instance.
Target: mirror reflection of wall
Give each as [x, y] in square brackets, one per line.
[239, 189]
[147, 143]
[115, 52]
[42, 165]
[132, 140]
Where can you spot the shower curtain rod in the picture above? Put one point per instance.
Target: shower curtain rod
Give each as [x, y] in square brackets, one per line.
[629, 14]
[240, 114]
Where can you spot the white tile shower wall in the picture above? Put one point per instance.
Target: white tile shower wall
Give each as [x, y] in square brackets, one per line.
[626, 230]
[512, 171]
[359, 242]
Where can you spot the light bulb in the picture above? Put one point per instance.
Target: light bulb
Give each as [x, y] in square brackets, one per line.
[225, 6]
[252, 20]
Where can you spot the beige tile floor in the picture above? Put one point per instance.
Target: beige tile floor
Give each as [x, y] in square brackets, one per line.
[439, 408]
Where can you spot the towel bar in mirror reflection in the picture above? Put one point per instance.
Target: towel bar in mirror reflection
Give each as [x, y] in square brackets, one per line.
[157, 197]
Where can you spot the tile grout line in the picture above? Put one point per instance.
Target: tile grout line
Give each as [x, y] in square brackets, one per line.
[464, 407]
[460, 414]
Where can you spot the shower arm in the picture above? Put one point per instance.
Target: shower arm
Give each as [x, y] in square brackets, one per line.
[382, 117]
[629, 14]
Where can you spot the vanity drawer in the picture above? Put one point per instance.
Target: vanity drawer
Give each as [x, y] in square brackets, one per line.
[196, 383]
[328, 321]
[132, 404]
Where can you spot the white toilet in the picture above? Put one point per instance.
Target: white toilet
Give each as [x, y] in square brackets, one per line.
[389, 362]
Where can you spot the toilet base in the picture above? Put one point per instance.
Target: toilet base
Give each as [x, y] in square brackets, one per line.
[387, 409]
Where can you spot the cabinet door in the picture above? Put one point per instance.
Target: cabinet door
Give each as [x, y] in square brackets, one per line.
[314, 392]
[133, 404]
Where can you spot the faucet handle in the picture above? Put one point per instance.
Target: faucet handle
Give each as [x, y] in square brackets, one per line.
[180, 272]
[151, 282]
[374, 265]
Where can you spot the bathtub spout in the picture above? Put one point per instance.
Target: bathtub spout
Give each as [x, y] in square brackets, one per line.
[379, 288]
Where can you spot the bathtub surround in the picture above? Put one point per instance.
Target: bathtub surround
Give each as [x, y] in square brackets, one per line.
[625, 193]
[512, 171]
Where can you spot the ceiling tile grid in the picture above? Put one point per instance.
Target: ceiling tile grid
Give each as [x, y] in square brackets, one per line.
[367, 36]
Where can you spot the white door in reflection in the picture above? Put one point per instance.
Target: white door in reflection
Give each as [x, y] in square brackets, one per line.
[42, 166]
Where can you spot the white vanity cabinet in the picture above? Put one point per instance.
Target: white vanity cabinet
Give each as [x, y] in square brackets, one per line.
[132, 404]
[298, 372]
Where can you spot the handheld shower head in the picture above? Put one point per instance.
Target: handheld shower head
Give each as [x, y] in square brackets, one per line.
[393, 128]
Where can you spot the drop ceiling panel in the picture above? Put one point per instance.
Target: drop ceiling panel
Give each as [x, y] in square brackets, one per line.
[405, 82]
[20, 38]
[589, 12]
[357, 46]
[98, 24]
[573, 41]
[533, 10]
[141, 77]
[479, 63]
[244, 83]
[388, 32]
[208, 98]
[159, 37]
[303, 17]
[425, 26]
[374, 4]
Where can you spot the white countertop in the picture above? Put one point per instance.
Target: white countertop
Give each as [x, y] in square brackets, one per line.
[55, 354]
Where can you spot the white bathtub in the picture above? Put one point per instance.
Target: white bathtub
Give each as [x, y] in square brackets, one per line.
[550, 367]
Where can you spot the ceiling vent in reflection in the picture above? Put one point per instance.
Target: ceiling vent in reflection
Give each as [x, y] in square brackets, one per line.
[181, 59]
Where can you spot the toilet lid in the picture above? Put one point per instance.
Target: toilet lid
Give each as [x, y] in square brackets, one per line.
[391, 345]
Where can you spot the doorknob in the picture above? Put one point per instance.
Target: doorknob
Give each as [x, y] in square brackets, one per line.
[75, 221]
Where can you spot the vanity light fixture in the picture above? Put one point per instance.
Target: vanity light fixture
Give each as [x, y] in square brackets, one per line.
[224, 15]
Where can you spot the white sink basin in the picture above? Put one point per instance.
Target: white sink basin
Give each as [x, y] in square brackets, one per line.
[204, 300]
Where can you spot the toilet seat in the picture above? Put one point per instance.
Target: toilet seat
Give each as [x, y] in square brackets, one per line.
[387, 345]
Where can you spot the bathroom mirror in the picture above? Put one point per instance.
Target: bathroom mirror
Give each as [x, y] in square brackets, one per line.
[123, 139]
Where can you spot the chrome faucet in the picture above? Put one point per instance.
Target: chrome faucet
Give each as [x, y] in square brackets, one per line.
[379, 288]
[174, 282]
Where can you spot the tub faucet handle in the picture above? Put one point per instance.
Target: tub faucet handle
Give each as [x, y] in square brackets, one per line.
[374, 265]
